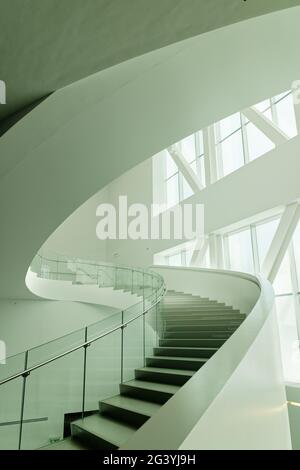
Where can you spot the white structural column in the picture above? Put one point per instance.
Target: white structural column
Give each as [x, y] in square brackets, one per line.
[185, 169]
[210, 155]
[296, 97]
[281, 241]
[199, 252]
[216, 251]
[266, 126]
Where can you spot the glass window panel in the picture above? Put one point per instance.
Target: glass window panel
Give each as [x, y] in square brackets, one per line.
[285, 307]
[229, 125]
[258, 143]
[172, 191]
[175, 260]
[283, 281]
[296, 243]
[286, 116]
[265, 233]
[240, 251]
[268, 114]
[200, 143]
[194, 166]
[201, 169]
[281, 95]
[188, 148]
[232, 153]
[171, 167]
[186, 189]
[188, 257]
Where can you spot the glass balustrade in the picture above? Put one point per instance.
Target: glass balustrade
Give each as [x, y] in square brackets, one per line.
[46, 388]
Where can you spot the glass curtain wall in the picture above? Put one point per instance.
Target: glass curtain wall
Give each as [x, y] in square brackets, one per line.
[238, 142]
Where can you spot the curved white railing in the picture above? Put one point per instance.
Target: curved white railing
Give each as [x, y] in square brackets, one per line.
[237, 399]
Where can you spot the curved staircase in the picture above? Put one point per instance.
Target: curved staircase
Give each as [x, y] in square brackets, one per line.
[193, 329]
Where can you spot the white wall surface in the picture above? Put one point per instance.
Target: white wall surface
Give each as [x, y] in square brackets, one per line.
[76, 236]
[25, 324]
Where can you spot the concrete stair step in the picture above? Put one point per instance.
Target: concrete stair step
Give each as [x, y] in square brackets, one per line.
[176, 362]
[182, 351]
[134, 411]
[152, 391]
[164, 375]
[69, 443]
[101, 432]
[205, 342]
[198, 334]
[198, 328]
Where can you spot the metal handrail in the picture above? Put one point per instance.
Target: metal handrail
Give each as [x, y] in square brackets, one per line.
[86, 344]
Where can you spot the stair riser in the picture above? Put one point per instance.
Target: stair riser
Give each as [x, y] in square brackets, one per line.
[197, 343]
[161, 377]
[203, 315]
[91, 440]
[165, 351]
[205, 324]
[190, 308]
[145, 394]
[174, 364]
[180, 329]
[190, 324]
[198, 335]
[184, 303]
[130, 417]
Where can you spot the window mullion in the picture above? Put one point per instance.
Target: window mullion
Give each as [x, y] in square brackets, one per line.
[220, 169]
[245, 139]
[274, 111]
[226, 252]
[254, 244]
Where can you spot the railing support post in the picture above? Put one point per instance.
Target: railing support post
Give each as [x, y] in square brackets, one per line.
[84, 371]
[25, 375]
[144, 337]
[122, 348]
[143, 291]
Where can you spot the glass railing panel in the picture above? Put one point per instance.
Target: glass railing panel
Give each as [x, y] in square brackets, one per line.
[10, 410]
[53, 348]
[151, 330]
[10, 402]
[105, 325]
[53, 392]
[133, 342]
[103, 370]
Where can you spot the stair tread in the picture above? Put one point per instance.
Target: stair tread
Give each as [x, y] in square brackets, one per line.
[66, 444]
[165, 370]
[156, 386]
[141, 406]
[115, 432]
[179, 358]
